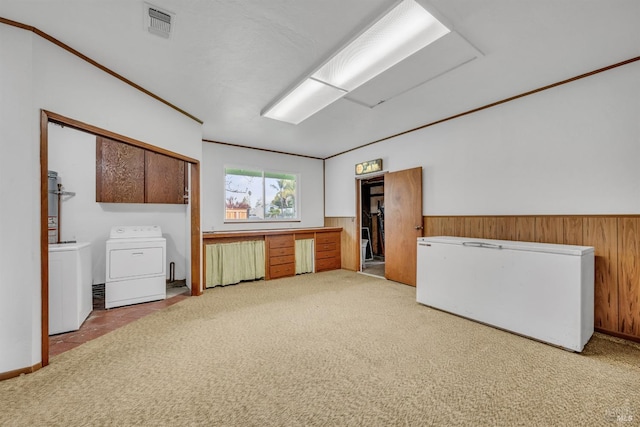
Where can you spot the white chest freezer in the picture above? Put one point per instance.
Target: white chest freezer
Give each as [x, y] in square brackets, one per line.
[539, 290]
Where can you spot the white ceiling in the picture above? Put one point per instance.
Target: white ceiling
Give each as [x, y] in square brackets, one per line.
[227, 59]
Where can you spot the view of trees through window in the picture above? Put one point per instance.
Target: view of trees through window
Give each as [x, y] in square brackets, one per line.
[255, 195]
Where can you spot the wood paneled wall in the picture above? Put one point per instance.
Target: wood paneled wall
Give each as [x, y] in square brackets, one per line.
[616, 240]
[349, 242]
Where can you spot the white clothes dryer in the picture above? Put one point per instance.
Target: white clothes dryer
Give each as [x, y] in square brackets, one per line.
[136, 265]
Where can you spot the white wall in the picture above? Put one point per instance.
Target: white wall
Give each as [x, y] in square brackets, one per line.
[36, 74]
[72, 154]
[573, 149]
[216, 156]
[69, 86]
[19, 204]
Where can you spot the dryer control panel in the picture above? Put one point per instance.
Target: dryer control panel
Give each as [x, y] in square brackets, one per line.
[134, 231]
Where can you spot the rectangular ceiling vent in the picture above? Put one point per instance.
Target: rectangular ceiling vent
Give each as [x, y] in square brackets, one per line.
[158, 21]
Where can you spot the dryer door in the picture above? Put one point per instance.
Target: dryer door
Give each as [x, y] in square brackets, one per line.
[130, 263]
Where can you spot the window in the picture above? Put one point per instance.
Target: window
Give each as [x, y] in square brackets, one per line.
[256, 195]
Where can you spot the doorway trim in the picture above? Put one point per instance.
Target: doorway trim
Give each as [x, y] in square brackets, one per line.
[47, 117]
[358, 230]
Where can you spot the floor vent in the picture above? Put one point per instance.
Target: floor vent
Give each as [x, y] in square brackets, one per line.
[158, 21]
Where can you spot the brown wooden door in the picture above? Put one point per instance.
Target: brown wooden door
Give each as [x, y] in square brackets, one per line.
[164, 179]
[402, 223]
[119, 172]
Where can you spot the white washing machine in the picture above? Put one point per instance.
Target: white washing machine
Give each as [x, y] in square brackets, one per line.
[70, 286]
[136, 265]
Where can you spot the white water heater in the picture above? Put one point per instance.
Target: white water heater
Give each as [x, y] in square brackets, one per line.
[53, 206]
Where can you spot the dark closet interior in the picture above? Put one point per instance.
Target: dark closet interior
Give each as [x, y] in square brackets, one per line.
[372, 220]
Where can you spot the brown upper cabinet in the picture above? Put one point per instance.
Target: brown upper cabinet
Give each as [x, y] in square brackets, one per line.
[164, 179]
[119, 172]
[130, 174]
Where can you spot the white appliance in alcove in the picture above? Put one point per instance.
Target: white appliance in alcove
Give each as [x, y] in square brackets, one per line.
[70, 286]
[135, 265]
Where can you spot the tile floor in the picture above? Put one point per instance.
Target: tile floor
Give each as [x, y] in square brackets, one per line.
[374, 267]
[101, 321]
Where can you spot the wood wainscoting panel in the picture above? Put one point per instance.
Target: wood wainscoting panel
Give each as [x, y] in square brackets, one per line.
[549, 229]
[573, 233]
[433, 226]
[430, 226]
[601, 233]
[506, 228]
[629, 276]
[526, 228]
[490, 227]
[473, 227]
[444, 226]
[457, 226]
[349, 241]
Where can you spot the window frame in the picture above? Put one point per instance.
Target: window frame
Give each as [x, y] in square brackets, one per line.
[264, 172]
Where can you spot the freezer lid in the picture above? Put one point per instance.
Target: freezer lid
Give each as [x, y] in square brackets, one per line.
[509, 244]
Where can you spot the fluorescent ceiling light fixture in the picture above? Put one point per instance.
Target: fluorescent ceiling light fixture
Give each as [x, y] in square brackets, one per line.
[305, 100]
[400, 33]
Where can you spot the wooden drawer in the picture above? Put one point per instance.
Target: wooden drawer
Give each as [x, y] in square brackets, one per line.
[328, 251]
[327, 264]
[323, 238]
[326, 247]
[283, 241]
[282, 270]
[277, 260]
[274, 252]
[328, 254]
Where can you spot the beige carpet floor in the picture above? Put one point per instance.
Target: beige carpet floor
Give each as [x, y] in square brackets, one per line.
[334, 348]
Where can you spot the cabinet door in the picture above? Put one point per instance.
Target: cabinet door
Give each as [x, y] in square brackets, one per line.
[164, 179]
[119, 172]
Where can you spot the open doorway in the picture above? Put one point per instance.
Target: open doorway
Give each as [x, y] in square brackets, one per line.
[372, 231]
[192, 220]
[390, 220]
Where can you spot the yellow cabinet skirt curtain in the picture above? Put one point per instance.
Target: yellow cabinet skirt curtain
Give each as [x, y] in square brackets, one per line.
[229, 263]
[304, 256]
